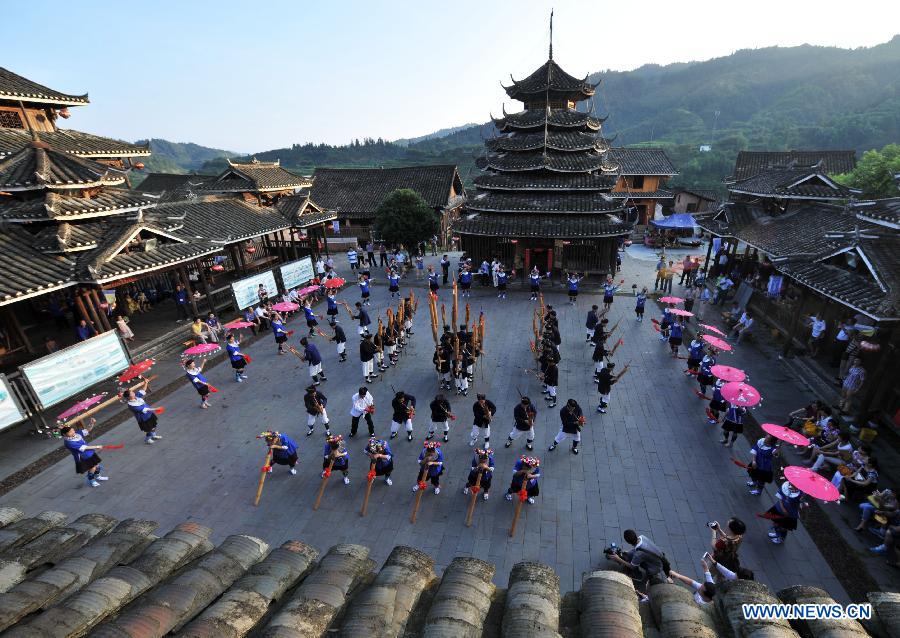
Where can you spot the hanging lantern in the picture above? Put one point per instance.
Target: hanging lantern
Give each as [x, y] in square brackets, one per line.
[513, 241]
[139, 165]
[64, 113]
[567, 243]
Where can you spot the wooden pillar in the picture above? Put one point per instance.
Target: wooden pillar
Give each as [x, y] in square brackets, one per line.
[205, 283]
[237, 258]
[708, 253]
[182, 271]
[104, 318]
[13, 321]
[294, 251]
[325, 240]
[91, 310]
[82, 310]
[795, 323]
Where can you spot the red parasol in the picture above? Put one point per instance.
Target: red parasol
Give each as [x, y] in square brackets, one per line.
[741, 394]
[80, 407]
[135, 370]
[727, 373]
[680, 313]
[785, 434]
[201, 350]
[217, 268]
[334, 282]
[712, 329]
[237, 324]
[715, 342]
[671, 299]
[286, 306]
[808, 482]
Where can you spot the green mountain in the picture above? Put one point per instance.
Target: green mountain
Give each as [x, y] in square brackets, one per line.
[804, 97]
[180, 157]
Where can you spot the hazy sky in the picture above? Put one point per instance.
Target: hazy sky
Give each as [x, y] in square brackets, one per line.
[249, 76]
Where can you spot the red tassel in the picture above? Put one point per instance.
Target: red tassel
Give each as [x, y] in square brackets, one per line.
[247, 358]
[771, 517]
[474, 489]
[422, 485]
[656, 327]
[523, 496]
[159, 410]
[700, 395]
[370, 476]
[114, 447]
[266, 468]
[738, 463]
[212, 388]
[710, 415]
[290, 333]
[326, 473]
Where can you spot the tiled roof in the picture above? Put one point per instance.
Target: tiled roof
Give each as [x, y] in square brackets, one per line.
[557, 225]
[358, 192]
[545, 182]
[542, 202]
[559, 118]
[25, 272]
[641, 161]
[223, 220]
[302, 212]
[792, 183]
[74, 142]
[550, 78]
[65, 237]
[849, 288]
[660, 193]
[133, 263]
[884, 212]
[749, 163]
[53, 205]
[129, 582]
[37, 166]
[554, 161]
[256, 176]
[554, 140]
[172, 182]
[15, 87]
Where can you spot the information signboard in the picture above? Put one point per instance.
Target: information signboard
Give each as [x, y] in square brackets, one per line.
[246, 291]
[297, 273]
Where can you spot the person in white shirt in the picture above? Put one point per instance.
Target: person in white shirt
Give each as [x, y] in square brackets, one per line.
[703, 592]
[743, 327]
[263, 315]
[495, 268]
[320, 267]
[353, 258]
[362, 405]
[742, 573]
[816, 334]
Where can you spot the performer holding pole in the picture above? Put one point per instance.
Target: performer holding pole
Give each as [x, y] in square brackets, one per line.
[404, 409]
[483, 412]
[526, 473]
[284, 451]
[605, 383]
[266, 468]
[524, 415]
[362, 405]
[87, 461]
[431, 459]
[336, 457]
[315, 402]
[381, 463]
[479, 479]
[143, 413]
[340, 340]
[441, 414]
[573, 420]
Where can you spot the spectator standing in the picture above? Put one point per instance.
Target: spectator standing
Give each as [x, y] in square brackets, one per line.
[690, 294]
[85, 330]
[660, 274]
[123, 329]
[686, 265]
[353, 258]
[181, 302]
[370, 252]
[445, 269]
[851, 353]
[817, 327]
[853, 383]
[670, 276]
[382, 253]
[841, 341]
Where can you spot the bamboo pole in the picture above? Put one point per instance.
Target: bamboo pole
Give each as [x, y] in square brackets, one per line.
[455, 310]
[323, 484]
[519, 500]
[370, 479]
[474, 491]
[421, 484]
[443, 316]
[94, 410]
[467, 314]
[262, 476]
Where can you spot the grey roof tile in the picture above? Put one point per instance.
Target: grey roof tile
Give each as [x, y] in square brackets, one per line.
[15, 87]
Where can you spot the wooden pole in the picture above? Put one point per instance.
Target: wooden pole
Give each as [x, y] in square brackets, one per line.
[420, 483]
[443, 316]
[467, 314]
[104, 319]
[455, 311]
[323, 484]
[370, 479]
[474, 491]
[518, 510]
[206, 289]
[262, 476]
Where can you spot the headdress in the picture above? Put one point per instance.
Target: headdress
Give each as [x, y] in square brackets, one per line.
[532, 461]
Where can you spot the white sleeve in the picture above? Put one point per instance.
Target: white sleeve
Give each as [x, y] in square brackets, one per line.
[695, 585]
[727, 574]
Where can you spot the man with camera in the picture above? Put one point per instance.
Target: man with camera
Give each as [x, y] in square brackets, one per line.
[646, 563]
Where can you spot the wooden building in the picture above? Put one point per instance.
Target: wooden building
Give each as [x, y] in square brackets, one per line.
[354, 194]
[553, 193]
[694, 200]
[262, 183]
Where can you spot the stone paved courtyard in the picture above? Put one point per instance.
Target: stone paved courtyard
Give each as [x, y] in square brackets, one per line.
[651, 463]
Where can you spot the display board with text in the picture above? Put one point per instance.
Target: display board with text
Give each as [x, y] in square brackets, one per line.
[297, 273]
[246, 291]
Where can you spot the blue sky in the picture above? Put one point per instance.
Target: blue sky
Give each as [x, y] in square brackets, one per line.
[250, 76]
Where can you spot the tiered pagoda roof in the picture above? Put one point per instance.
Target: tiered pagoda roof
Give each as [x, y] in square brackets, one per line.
[549, 171]
[74, 142]
[37, 166]
[256, 177]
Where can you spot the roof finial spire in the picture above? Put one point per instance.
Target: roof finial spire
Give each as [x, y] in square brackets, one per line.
[551, 34]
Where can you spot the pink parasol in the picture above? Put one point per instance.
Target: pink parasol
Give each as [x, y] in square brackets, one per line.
[785, 434]
[286, 306]
[808, 482]
[671, 299]
[869, 346]
[334, 282]
[237, 324]
[727, 373]
[217, 268]
[715, 342]
[678, 312]
[308, 290]
[741, 394]
[712, 329]
[136, 370]
[80, 407]
[201, 349]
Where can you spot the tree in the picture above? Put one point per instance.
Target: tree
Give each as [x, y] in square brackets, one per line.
[405, 218]
[874, 173]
